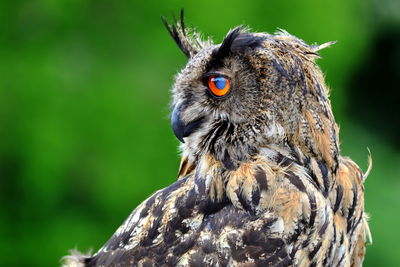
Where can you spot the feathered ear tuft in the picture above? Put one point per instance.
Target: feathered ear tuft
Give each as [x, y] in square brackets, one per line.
[314, 49]
[311, 51]
[189, 42]
[317, 48]
[226, 45]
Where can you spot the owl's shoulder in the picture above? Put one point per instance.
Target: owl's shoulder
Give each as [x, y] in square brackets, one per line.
[181, 225]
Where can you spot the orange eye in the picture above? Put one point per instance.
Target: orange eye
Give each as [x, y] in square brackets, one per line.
[219, 85]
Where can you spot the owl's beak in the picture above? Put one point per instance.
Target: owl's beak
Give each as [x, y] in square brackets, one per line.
[181, 129]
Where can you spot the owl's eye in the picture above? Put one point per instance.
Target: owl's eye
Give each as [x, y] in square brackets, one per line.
[219, 85]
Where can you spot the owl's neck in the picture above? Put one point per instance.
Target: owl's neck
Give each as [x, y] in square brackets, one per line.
[258, 177]
[232, 143]
[227, 156]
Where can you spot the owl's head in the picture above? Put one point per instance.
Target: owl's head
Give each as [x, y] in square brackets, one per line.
[253, 90]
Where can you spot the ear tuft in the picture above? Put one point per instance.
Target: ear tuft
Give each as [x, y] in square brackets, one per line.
[317, 48]
[187, 40]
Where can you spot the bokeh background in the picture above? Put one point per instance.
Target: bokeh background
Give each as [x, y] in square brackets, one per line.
[84, 110]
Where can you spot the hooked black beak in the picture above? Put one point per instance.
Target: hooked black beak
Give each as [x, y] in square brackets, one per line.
[181, 129]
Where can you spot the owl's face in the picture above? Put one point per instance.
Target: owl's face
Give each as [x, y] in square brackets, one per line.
[241, 95]
[218, 88]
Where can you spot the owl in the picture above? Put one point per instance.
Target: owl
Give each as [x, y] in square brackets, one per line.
[261, 180]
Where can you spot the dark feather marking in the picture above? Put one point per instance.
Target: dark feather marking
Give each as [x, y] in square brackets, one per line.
[212, 207]
[186, 244]
[306, 160]
[273, 244]
[341, 259]
[314, 251]
[356, 224]
[176, 223]
[269, 223]
[294, 250]
[227, 161]
[191, 198]
[246, 206]
[147, 206]
[238, 253]
[230, 130]
[253, 237]
[211, 140]
[293, 238]
[208, 246]
[339, 197]
[296, 68]
[319, 88]
[257, 243]
[313, 208]
[334, 233]
[154, 230]
[341, 239]
[306, 242]
[279, 67]
[296, 181]
[323, 227]
[328, 255]
[324, 171]
[303, 81]
[283, 161]
[261, 179]
[282, 253]
[169, 236]
[314, 179]
[222, 126]
[213, 135]
[255, 197]
[350, 218]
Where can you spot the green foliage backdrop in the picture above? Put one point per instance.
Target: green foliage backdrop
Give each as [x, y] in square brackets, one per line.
[84, 111]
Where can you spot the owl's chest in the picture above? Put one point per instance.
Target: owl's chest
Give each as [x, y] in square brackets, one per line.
[314, 231]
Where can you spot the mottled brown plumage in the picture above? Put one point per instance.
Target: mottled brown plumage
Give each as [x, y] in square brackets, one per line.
[261, 182]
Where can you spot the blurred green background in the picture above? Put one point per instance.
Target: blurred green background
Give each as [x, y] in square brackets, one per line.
[84, 110]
